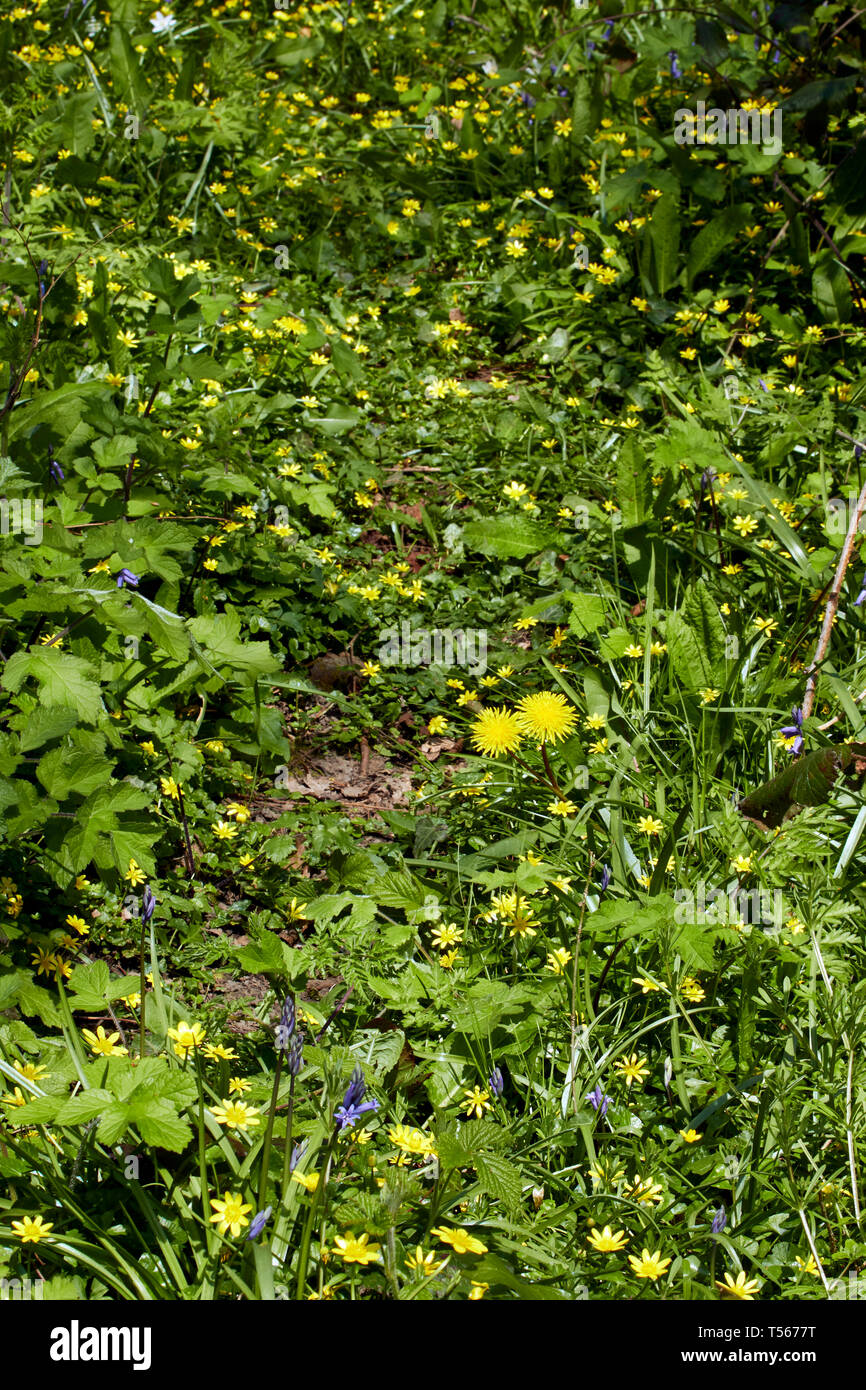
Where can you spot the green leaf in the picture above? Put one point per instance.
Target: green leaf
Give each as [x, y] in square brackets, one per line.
[687, 653]
[63, 679]
[633, 482]
[807, 782]
[664, 233]
[507, 537]
[587, 613]
[831, 290]
[65, 770]
[712, 239]
[44, 724]
[159, 1123]
[165, 628]
[219, 637]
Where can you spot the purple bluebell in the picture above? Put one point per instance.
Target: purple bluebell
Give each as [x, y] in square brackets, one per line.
[127, 577]
[354, 1105]
[496, 1082]
[794, 730]
[599, 1101]
[590, 46]
[258, 1223]
[148, 903]
[608, 29]
[676, 70]
[861, 597]
[286, 1026]
[527, 99]
[297, 1154]
[762, 383]
[720, 1221]
[858, 450]
[606, 879]
[776, 55]
[295, 1054]
[562, 92]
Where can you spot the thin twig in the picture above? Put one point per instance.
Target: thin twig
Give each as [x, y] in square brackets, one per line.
[833, 604]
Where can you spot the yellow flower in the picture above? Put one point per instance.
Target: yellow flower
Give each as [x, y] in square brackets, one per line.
[744, 525]
[649, 1266]
[807, 1266]
[479, 1289]
[32, 1228]
[224, 830]
[355, 1250]
[650, 825]
[413, 1141]
[438, 724]
[708, 695]
[634, 649]
[496, 731]
[557, 960]
[460, 1241]
[134, 874]
[740, 1288]
[561, 807]
[692, 990]
[633, 1068]
[309, 1181]
[235, 1114]
[691, 1136]
[607, 1240]
[237, 812]
[230, 1213]
[419, 1263]
[546, 716]
[477, 1101]
[102, 1044]
[185, 1037]
[742, 864]
[78, 923]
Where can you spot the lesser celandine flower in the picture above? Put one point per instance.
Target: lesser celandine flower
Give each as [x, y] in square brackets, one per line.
[607, 1240]
[419, 1263]
[102, 1044]
[186, 1037]
[740, 1288]
[649, 1266]
[32, 1229]
[356, 1250]
[230, 1213]
[633, 1069]
[460, 1241]
[690, 1136]
[477, 1101]
[236, 1114]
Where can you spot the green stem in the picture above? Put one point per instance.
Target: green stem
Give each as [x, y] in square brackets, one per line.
[202, 1162]
[287, 1156]
[141, 990]
[304, 1254]
[269, 1134]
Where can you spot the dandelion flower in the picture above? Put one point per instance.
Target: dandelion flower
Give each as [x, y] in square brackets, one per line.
[496, 731]
[547, 716]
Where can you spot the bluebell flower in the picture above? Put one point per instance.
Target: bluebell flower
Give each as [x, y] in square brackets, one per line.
[606, 879]
[861, 597]
[258, 1223]
[295, 1054]
[608, 30]
[286, 1026]
[562, 92]
[720, 1220]
[794, 730]
[527, 99]
[148, 903]
[676, 70]
[354, 1105]
[297, 1154]
[496, 1082]
[858, 450]
[598, 1100]
[127, 577]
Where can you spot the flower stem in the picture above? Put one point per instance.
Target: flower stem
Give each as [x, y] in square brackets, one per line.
[269, 1134]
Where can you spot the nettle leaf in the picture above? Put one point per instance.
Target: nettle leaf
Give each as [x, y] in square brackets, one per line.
[688, 656]
[507, 537]
[587, 613]
[807, 782]
[165, 628]
[158, 1123]
[65, 770]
